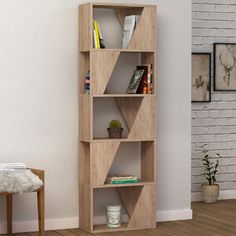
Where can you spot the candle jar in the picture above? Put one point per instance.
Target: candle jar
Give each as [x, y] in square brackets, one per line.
[113, 216]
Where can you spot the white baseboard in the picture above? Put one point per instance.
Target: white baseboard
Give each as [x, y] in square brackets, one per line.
[50, 224]
[68, 223]
[224, 194]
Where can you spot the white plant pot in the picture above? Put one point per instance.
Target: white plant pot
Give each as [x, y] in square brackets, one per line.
[210, 193]
[113, 216]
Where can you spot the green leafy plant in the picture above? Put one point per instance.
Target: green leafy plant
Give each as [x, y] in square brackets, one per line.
[210, 166]
[115, 124]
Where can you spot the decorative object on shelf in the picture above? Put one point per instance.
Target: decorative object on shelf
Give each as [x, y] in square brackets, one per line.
[115, 130]
[87, 83]
[126, 179]
[113, 216]
[210, 190]
[224, 67]
[135, 81]
[201, 77]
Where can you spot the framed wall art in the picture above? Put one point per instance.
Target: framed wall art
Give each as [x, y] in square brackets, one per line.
[201, 77]
[224, 67]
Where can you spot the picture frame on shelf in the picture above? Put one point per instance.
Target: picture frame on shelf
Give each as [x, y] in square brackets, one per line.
[224, 66]
[201, 77]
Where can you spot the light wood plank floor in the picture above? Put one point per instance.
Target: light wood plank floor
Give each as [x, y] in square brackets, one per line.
[208, 220]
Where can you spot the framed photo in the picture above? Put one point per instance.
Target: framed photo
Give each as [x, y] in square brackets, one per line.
[201, 77]
[224, 67]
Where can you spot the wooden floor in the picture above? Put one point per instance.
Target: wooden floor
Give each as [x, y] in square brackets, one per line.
[208, 220]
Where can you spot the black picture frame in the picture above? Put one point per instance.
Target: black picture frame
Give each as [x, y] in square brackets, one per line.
[208, 68]
[230, 68]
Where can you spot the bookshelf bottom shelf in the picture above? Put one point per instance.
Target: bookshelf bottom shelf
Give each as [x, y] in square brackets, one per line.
[104, 228]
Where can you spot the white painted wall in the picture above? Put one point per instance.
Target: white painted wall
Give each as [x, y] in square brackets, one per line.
[214, 123]
[39, 104]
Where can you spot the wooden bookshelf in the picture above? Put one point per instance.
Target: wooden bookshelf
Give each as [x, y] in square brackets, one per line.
[96, 154]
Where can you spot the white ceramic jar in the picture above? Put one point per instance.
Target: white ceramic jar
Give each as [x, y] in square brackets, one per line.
[113, 216]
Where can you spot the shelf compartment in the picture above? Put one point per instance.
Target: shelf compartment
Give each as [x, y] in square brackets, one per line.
[112, 16]
[138, 207]
[111, 70]
[136, 114]
[107, 157]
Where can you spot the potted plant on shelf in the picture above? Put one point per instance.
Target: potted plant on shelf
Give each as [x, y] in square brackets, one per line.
[210, 189]
[115, 130]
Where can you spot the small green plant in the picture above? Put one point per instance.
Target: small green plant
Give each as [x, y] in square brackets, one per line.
[210, 166]
[115, 124]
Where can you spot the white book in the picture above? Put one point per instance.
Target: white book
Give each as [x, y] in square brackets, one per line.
[12, 165]
[129, 27]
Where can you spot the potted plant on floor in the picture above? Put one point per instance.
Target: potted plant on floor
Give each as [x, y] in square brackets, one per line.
[210, 189]
[115, 130]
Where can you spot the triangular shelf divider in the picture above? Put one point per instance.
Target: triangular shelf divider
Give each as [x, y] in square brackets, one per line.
[129, 108]
[129, 197]
[102, 66]
[103, 154]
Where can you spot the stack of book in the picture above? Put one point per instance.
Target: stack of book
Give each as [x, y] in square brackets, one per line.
[97, 36]
[9, 166]
[87, 83]
[129, 27]
[141, 81]
[122, 179]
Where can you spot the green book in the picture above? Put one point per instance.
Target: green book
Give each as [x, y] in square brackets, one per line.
[125, 181]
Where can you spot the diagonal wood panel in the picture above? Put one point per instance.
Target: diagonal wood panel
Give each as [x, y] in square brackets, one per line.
[146, 30]
[144, 212]
[129, 197]
[102, 66]
[102, 155]
[121, 13]
[144, 125]
[129, 108]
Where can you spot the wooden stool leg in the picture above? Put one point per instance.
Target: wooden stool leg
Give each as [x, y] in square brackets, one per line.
[9, 214]
[41, 216]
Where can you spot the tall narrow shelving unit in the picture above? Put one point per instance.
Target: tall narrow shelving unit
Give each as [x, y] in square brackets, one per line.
[96, 154]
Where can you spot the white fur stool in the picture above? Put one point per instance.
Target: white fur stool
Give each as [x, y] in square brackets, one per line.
[21, 181]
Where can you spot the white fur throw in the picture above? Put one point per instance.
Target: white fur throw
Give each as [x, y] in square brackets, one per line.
[19, 181]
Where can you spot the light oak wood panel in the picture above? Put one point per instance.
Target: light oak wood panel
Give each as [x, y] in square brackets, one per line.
[140, 116]
[148, 161]
[144, 36]
[84, 164]
[123, 12]
[150, 58]
[129, 198]
[102, 66]
[102, 155]
[140, 203]
[85, 120]
[129, 108]
[84, 65]
[85, 27]
[85, 207]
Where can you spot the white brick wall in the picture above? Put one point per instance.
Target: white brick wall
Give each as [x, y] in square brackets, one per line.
[214, 123]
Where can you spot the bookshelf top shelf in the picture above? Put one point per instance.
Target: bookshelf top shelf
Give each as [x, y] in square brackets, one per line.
[119, 50]
[116, 5]
[106, 139]
[122, 95]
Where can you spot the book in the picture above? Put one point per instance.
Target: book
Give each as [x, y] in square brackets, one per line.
[135, 81]
[124, 177]
[102, 45]
[87, 83]
[145, 86]
[97, 45]
[125, 181]
[129, 26]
